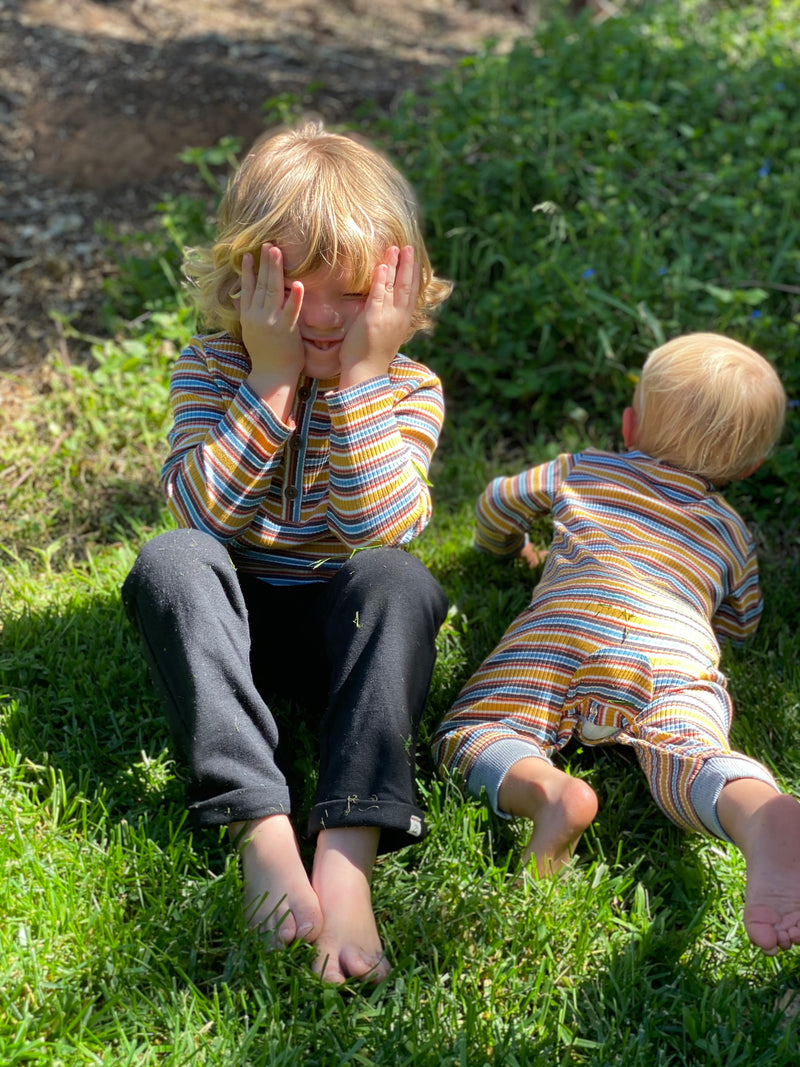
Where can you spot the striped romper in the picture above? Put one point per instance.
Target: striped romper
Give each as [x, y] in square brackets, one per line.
[648, 569]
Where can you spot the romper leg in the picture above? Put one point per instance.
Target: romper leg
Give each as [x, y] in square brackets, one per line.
[381, 614]
[681, 742]
[184, 596]
[511, 707]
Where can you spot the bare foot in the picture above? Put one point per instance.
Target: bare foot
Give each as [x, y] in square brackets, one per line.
[766, 826]
[561, 808]
[349, 945]
[278, 898]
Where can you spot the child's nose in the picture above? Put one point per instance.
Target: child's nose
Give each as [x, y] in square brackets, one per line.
[322, 313]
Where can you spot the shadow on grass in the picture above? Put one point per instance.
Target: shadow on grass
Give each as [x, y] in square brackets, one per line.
[638, 952]
[80, 700]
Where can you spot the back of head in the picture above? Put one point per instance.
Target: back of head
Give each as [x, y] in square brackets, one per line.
[708, 405]
[338, 198]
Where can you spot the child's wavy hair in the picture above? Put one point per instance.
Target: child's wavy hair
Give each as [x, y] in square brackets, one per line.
[340, 199]
[709, 405]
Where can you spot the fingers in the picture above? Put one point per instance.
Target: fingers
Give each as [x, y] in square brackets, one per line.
[248, 282]
[390, 262]
[406, 273]
[294, 301]
[269, 283]
[264, 288]
[397, 277]
[265, 292]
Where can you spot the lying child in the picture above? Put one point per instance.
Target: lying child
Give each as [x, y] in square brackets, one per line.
[648, 569]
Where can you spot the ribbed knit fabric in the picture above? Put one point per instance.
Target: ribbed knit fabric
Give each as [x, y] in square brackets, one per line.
[292, 501]
[649, 567]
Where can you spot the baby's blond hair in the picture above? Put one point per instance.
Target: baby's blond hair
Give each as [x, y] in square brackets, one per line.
[337, 197]
[709, 405]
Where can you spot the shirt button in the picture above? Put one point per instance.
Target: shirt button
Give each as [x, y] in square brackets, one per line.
[290, 492]
[305, 392]
[295, 443]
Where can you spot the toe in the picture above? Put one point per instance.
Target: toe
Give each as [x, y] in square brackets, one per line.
[328, 969]
[760, 923]
[367, 968]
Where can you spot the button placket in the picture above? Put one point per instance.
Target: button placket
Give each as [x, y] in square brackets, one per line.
[293, 477]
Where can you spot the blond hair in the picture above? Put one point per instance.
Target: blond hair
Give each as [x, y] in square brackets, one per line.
[709, 405]
[335, 196]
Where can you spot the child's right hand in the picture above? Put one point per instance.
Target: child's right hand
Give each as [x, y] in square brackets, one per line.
[532, 555]
[269, 311]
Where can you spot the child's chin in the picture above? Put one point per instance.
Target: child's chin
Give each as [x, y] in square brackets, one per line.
[321, 365]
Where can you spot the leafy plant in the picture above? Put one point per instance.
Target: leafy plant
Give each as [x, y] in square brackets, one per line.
[599, 189]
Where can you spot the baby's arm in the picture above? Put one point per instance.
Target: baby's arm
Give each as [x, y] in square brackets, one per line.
[225, 442]
[739, 614]
[383, 435]
[385, 424]
[508, 506]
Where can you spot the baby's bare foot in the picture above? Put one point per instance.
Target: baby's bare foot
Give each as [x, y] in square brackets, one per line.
[558, 827]
[772, 899]
[560, 806]
[278, 898]
[349, 945]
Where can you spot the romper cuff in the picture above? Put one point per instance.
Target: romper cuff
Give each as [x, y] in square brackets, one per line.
[709, 781]
[493, 764]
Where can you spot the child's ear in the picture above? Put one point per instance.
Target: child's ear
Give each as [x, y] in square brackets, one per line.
[750, 470]
[630, 426]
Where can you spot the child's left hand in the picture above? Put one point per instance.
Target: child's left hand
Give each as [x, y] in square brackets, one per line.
[375, 337]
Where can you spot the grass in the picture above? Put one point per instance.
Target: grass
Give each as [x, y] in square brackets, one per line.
[122, 938]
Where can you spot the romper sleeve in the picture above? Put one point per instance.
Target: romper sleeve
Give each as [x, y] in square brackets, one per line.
[507, 506]
[739, 614]
[225, 443]
[383, 435]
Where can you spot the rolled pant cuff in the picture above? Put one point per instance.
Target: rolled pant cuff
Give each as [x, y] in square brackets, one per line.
[241, 805]
[400, 824]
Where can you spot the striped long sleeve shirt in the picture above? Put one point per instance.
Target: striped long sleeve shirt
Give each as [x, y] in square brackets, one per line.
[632, 532]
[293, 500]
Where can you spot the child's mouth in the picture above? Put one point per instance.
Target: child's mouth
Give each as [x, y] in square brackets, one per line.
[323, 346]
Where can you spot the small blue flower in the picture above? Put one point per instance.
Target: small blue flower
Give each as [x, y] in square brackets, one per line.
[588, 273]
[764, 169]
[793, 403]
[780, 87]
[755, 314]
[661, 271]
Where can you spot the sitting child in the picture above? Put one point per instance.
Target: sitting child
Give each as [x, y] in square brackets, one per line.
[648, 569]
[297, 475]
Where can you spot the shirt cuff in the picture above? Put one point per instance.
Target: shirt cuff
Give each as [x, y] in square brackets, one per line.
[256, 420]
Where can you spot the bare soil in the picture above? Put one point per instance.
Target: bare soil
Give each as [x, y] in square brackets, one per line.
[98, 97]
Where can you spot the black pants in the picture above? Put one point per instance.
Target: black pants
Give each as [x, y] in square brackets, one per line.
[358, 650]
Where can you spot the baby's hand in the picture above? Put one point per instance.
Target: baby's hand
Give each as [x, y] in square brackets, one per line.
[268, 312]
[375, 337]
[532, 555]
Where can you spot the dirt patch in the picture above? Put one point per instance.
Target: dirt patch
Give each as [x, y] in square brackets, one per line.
[98, 98]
